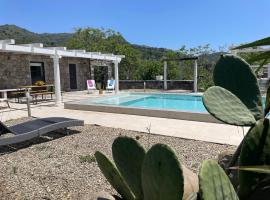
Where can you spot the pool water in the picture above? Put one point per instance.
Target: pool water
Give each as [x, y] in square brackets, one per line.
[178, 102]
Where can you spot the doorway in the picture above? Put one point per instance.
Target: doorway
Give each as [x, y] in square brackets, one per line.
[37, 72]
[73, 76]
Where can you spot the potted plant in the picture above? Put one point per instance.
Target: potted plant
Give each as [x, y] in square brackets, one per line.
[99, 87]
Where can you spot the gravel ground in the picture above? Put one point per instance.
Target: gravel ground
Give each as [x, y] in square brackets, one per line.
[61, 167]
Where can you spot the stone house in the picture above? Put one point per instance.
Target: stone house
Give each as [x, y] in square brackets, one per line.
[25, 69]
[68, 70]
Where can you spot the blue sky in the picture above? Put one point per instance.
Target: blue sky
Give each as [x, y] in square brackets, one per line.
[159, 23]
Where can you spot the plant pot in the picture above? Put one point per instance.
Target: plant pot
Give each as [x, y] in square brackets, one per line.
[100, 91]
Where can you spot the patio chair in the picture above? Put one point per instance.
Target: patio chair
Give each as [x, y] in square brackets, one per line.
[35, 128]
[91, 85]
[110, 85]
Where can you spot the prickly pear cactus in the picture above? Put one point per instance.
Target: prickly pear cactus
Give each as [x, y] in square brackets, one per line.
[267, 102]
[113, 176]
[128, 156]
[214, 183]
[235, 75]
[225, 106]
[162, 176]
[255, 151]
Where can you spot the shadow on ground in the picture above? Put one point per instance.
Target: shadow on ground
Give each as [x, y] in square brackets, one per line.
[42, 139]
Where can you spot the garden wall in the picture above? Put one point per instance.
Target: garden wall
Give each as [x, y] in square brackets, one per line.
[156, 84]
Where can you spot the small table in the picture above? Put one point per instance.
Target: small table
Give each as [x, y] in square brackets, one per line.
[5, 91]
[4, 95]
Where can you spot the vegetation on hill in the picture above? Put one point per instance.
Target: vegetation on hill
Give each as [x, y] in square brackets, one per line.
[22, 35]
[141, 62]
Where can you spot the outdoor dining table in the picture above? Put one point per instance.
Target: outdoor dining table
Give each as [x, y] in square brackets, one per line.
[35, 86]
[35, 90]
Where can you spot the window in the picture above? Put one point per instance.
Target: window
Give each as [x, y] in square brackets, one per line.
[37, 72]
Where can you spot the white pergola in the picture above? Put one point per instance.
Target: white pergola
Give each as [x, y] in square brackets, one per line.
[195, 71]
[252, 50]
[58, 52]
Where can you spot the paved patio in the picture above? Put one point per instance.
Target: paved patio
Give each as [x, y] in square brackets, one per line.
[210, 132]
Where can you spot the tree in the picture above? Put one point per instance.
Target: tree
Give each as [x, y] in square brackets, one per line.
[108, 41]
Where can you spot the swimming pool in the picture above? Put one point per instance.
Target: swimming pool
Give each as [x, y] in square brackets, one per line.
[192, 103]
[177, 106]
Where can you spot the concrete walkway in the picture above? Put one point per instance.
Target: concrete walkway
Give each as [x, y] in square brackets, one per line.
[210, 132]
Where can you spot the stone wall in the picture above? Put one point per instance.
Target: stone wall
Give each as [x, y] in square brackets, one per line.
[15, 70]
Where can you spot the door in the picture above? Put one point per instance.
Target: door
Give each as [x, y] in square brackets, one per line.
[37, 72]
[73, 76]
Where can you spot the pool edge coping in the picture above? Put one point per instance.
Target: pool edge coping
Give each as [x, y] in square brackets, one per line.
[171, 114]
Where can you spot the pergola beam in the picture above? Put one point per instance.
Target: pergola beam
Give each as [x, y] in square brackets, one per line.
[181, 59]
[56, 53]
[248, 50]
[9, 46]
[39, 45]
[8, 41]
[57, 48]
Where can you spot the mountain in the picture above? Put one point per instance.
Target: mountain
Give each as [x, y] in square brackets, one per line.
[22, 35]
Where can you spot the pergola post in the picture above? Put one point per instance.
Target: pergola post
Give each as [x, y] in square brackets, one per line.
[195, 79]
[57, 83]
[180, 71]
[268, 71]
[116, 76]
[165, 75]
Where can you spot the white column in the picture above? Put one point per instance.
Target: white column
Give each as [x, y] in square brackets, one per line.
[116, 76]
[165, 75]
[57, 82]
[268, 71]
[180, 70]
[195, 83]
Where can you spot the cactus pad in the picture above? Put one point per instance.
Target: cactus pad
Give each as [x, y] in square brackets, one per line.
[128, 155]
[113, 176]
[162, 176]
[225, 106]
[255, 151]
[235, 75]
[267, 102]
[214, 183]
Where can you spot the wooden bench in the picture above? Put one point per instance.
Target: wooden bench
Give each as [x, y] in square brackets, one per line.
[42, 94]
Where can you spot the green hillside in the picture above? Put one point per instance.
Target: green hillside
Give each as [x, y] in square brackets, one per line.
[141, 62]
[22, 35]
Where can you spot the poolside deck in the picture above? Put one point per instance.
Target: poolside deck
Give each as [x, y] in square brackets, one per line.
[210, 132]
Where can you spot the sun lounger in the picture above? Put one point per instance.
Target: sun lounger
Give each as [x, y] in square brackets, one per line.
[110, 85]
[91, 85]
[35, 128]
